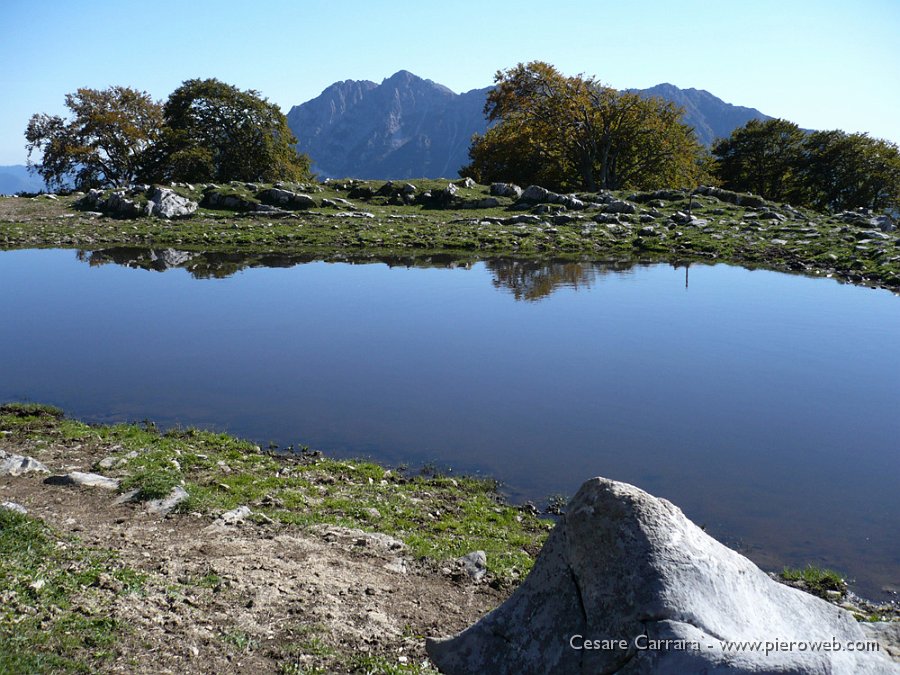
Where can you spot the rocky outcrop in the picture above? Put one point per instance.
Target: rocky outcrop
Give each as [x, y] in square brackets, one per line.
[140, 200]
[627, 584]
[166, 203]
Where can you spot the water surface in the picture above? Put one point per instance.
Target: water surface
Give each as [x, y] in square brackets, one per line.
[764, 405]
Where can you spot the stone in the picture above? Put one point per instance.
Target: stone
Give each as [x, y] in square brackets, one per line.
[535, 194]
[278, 197]
[16, 465]
[235, 516]
[466, 183]
[474, 564]
[884, 223]
[627, 584]
[167, 203]
[771, 215]
[169, 502]
[620, 206]
[887, 634]
[83, 479]
[506, 190]
[12, 506]
[487, 203]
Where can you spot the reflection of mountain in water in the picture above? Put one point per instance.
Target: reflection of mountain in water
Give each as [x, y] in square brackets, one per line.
[533, 280]
[529, 280]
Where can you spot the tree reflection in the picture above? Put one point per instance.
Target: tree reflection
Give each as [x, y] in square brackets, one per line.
[531, 280]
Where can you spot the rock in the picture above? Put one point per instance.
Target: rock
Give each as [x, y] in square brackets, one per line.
[486, 203]
[475, 564]
[887, 633]
[16, 465]
[631, 570]
[166, 203]
[619, 206]
[169, 502]
[771, 215]
[647, 231]
[235, 516]
[738, 198]
[506, 190]
[884, 223]
[12, 506]
[572, 202]
[293, 200]
[606, 218]
[466, 183]
[872, 234]
[535, 194]
[84, 480]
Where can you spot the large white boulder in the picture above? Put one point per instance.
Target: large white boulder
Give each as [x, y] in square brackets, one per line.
[627, 584]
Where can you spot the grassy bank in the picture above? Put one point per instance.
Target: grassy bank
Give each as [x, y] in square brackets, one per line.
[355, 220]
[62, 599]
[438, 518]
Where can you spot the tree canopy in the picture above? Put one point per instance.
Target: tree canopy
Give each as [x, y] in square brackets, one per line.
[105, 143]
[216, 132]
[573, 132]
[206, 131]
[825, 170]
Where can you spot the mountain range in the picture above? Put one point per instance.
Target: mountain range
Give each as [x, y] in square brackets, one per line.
[16, 178]
[410, 127]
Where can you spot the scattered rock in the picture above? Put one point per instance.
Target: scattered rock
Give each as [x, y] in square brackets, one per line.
[631, 569]
[884, 223]
[169, 502]
[474, 564]
[620, 206]
[737, 198]
[12, 506]
[506, 190]
[535, 194]
[279, 197]
[83, 479]
[16, 465]
[235, 516]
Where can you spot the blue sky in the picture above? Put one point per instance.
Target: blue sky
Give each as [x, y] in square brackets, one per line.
[822, 64]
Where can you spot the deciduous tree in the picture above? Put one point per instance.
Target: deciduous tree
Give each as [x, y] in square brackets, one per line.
[104, 143]
[573, 132]
[216, 132]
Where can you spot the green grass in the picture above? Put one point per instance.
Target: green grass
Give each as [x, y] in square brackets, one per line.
[817, 580]
[437, 517]
[52, 617]
[807, 242]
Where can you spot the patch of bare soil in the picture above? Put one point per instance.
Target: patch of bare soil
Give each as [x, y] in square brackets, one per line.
[250, 597]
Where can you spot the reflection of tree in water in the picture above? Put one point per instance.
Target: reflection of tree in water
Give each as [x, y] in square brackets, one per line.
[217, 265]
[533, 280]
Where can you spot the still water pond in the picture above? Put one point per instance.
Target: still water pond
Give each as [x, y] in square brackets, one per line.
[765, 405]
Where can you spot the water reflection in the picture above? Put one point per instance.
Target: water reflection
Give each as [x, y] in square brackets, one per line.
[764, 405]
[527, 280]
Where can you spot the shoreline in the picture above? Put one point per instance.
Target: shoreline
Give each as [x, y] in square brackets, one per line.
[405, 537]
[370, 219]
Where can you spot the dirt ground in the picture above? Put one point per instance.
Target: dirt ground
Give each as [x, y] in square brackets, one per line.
[249, 597]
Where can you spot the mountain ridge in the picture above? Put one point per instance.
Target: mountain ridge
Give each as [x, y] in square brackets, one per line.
[411, 127]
